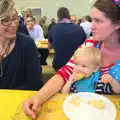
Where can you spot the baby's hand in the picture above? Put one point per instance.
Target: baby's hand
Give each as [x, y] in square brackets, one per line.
[73, 78]
[106, 78]
[78, 76]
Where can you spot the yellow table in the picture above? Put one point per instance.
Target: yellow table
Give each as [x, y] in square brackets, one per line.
[52, 109]
[41, 43]
[11, 102]
[116, 100]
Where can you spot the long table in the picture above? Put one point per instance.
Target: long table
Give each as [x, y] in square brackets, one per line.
[42, 46]
[11, 106]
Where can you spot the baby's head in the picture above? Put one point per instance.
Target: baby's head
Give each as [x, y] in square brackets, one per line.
[87, 60]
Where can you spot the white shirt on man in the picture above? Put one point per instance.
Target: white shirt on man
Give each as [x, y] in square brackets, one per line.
[36, 32]
[86, 27]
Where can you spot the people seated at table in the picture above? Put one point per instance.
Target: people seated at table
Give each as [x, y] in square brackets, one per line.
[105, 27]
[35, 30]
[19, 63]
[64, 37]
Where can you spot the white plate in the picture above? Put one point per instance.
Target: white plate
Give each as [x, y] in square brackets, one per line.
[86, 111]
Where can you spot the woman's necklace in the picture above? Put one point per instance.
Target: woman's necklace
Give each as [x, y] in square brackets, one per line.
[3, 56]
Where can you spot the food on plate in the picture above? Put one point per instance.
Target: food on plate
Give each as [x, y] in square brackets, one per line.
[97, 103]
[76, 101]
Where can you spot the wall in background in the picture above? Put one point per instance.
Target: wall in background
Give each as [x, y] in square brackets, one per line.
[78, 7]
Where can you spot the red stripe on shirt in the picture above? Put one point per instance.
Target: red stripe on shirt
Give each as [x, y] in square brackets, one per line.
[105, 70]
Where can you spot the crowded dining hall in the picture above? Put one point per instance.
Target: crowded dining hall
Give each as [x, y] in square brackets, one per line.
[60, 60]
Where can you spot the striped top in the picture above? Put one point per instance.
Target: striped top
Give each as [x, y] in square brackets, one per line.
[105, 70]
[66, 70]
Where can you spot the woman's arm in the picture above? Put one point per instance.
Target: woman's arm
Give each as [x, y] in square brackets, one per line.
[53, 86]
[67, 86]
[32, 67]
[106, 78]
[32, 106]
[115, 86]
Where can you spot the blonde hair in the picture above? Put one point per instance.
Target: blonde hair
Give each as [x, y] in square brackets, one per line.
[89, 53]
[5, 7]
[30, 12]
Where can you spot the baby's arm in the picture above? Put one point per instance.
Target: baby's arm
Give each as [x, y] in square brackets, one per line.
[74, 77]
[106, 78]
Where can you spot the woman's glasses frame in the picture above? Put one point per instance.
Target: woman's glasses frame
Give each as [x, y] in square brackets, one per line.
[8, 21]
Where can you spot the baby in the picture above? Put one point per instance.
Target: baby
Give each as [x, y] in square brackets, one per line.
[85, 72]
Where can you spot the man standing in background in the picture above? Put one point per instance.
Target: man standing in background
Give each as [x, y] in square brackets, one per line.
[64, 37]
[53, 22]
[86, 26]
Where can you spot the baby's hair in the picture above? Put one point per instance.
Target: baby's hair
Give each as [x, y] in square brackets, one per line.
[89, 53]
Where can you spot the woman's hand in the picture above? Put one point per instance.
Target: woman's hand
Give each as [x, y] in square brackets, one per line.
[106, 78]
[32, 106]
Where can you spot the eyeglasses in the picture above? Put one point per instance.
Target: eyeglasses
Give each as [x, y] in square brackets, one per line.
[8, 21]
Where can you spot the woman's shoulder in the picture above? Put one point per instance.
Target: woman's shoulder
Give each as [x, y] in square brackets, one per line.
[24, 39]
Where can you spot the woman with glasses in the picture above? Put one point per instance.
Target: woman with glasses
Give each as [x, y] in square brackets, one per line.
[19, 63]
